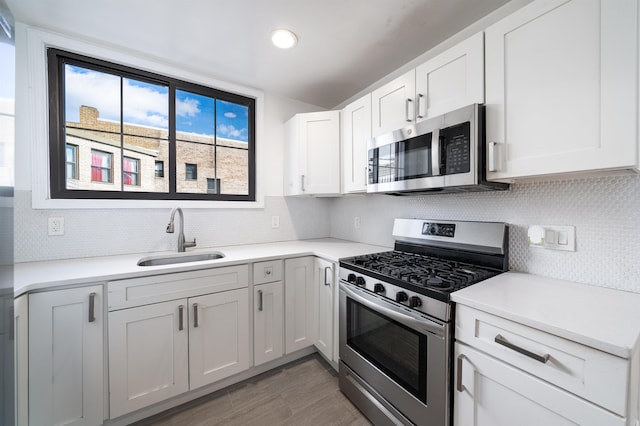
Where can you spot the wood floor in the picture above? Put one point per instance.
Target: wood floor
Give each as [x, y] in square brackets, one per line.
[301, 393]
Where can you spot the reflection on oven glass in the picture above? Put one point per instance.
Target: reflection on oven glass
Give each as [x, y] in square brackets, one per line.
[388, 345]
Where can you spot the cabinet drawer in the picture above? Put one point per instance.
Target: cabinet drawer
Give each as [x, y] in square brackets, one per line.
[592, 374]
[161, 288]
[267, 272]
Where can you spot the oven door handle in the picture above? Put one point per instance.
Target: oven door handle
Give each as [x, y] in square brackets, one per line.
[417, 323]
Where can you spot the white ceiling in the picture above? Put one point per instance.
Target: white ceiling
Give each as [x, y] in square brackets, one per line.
[344, 45]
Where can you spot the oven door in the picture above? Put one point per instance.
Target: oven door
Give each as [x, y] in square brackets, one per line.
[401, 355]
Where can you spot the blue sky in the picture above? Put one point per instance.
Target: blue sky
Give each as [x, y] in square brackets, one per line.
[147, 104]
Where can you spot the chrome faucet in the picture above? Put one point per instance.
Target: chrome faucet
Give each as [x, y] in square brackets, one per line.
[182, 244]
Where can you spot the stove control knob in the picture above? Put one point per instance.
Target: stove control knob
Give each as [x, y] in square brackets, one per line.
[415, 301]
[378, 288]
[401, 296]
[351, 278]
[360, 281]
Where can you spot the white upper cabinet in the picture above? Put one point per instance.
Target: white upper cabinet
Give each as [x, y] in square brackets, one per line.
[356, 132]
[392, 105]
[561, 88]
[451, 80]
[448, 81]
[312, 154]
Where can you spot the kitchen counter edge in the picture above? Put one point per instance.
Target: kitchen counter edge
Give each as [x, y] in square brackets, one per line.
[48, 275]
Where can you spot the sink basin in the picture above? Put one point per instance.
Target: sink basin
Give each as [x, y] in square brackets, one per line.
[179, 258]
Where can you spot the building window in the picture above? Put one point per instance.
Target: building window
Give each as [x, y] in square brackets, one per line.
[71, 160]
[130, 171]
[191, 171]
[213, 186]
[159, 169]
[101, 166]
[158, 122]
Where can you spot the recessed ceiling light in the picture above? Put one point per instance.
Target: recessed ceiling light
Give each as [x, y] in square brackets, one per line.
[284, 39]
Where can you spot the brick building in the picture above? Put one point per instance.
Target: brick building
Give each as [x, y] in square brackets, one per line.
[203, 164]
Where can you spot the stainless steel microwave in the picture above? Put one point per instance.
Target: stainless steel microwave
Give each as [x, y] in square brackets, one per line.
[441, 154]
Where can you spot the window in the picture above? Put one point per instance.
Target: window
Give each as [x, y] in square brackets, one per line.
[191, 171]
[135, 124]
[213, 185]
[101, 166]
[130, 167]
[71, 154]
[159, 169]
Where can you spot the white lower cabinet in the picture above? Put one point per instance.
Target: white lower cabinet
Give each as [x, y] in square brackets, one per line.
[268, 322]
[507, 373]
[489, 392]
[300, 303]
[324, 284]
[148, 355]
[66, 344]
[160, 350]
[218, 336]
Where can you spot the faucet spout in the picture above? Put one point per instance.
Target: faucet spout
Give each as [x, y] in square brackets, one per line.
[182, 244]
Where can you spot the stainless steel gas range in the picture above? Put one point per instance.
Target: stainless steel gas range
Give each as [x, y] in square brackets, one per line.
[396, 318]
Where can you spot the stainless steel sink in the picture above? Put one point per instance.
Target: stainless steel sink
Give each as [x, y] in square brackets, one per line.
[183, 258]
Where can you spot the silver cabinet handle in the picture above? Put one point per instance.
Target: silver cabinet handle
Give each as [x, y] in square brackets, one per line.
[504, 342]
[408, 115]
[366, 175]
[459, 386]
[180, 317]
[422, 105]
[302, 183]
[327, 281]
[195, 315]
[492, 157]
[435, 153]
[260, 300]
[92, 307]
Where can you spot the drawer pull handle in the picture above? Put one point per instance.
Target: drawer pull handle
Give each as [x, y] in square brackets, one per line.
[195, 315]
[180, 317]
[327, 280]
[260, 306]
[504, 342]
[92, 307]
[459, 386]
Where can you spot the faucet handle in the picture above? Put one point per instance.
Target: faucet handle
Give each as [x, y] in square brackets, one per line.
[190, 243]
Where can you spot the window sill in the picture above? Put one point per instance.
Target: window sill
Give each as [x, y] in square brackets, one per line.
[39, 203]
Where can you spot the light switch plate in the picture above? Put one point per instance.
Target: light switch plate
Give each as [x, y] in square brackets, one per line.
[554, 237]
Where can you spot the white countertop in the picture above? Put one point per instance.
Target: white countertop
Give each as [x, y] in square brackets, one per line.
[602, 318]
[31, 276]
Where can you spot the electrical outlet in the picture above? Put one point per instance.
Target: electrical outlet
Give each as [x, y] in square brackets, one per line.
[275, 222]
[553, 237]
[56, 226]
[356, 222]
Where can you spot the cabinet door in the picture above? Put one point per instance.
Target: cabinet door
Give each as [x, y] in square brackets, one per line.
[356, 133]
[218, 336]
[393, 105]
[66, 357]
[148, 355]
[268, 322]
[488, 392]
[451, 80]
[312, 154]
[325, 284]
[561, 88]
[300, 304]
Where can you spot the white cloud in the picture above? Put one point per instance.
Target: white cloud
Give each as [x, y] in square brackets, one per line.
[231, 132]
[142, 105]
[229, 114]
[188, 107]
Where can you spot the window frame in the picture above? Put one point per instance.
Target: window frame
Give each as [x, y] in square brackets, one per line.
[75, 149]
[111, 167]
[57, 59]
[135, 173]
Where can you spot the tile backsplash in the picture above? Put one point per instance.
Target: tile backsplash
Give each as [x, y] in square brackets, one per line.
[95, 232]
[605, 212]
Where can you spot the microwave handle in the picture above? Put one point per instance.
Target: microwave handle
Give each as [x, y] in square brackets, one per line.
[435, 153]
[492, 157]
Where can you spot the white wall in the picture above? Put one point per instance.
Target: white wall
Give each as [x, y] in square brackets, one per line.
[605, 212]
